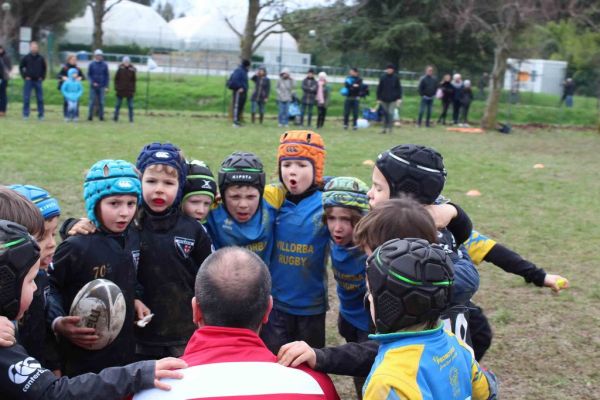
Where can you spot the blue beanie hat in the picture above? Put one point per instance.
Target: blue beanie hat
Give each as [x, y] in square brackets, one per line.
[109, 178]
[47, 204]
[165, 154]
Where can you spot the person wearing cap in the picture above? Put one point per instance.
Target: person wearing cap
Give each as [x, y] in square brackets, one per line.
[111, 191]
[285, 92]
[98, 77]
[199, 191]
[260, 96]
[125, 80]
[245, 217]
[238, 83]
[33, 70]
[309, 94]
[389, 96]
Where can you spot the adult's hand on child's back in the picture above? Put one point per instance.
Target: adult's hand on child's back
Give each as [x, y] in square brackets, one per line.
[79, 336]
[7, 332]
[556, 282]
[165, 369]
[442, 214]
[141, 310]
[82, 227]
[296, 353]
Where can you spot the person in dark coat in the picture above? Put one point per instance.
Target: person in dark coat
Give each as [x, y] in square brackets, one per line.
[447, 97]
[33, 71]
[465, 103]
[568, 92]
[63, 75]
[389, 96]
[309, 94]
[260, 96]
[125, 80]
[5, 67]
[427, 88]
[238, 83]
[98, 76]
[458, 86]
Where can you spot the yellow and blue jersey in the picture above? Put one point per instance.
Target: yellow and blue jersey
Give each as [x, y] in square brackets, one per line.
[478, 246]
[431, 364]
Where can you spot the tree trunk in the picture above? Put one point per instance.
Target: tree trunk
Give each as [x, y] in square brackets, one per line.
[98, 15]
[490, 114]
[247, 41]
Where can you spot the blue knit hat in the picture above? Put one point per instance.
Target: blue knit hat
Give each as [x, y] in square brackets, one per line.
[109, 178]
[47, 204]
[347, 192]
[165, 154]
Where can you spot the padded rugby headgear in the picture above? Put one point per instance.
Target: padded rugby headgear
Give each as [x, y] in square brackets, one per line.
[414, 170]
[165, 154]
[18, 253]
[199, 181]
[241, 168]
[410, 281]
[109, 178]
[303, 145]
[47, 204]
[347, 192]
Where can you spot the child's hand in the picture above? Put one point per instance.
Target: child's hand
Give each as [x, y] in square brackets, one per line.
[164, 369]
[556, 282]
[83, 227]
[442, 214]
[82, 337]
[140, 309]
[7, 332]
[296, 353]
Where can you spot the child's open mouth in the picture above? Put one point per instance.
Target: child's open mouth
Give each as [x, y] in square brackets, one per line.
[293, 182]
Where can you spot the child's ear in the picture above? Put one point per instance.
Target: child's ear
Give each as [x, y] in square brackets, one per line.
[196, 313]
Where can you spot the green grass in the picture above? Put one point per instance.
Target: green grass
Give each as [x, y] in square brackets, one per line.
[545, 346]
[207, 94]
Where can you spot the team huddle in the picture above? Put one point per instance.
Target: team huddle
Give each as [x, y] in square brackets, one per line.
[174, 242]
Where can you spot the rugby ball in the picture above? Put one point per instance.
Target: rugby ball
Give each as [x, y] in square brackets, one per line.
[101, 305]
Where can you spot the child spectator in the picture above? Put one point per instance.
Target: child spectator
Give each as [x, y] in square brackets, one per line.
[410, 285]
[33, 324]
[389, 96]
[285, 90]
[309, 93]
[322, 98]
[244, 217]
[465, 103]
[447, 96]
[26, 379]
[301, 239]
[173, 246]
[125, 80]
[345, 202]
[63, 75]
[111, 192]
[260, 96]
[199, 191]
[352, 90]
[72, 89]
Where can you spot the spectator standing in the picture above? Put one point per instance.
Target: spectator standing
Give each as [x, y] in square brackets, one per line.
[5, 68]
[484, 81]
[125, 81]
[98, 77]
[260, 96]
[322, 98]
[238, 83]
[458, 86]
[427, 88]
[285, 90]
[389, 96]
[63, 75]
[447, 97]
[33, 71]
[352, 90]
[465, 103]
[568, 92]
[309, 94]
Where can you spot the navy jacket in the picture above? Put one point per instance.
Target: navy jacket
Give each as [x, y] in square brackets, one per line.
[98, 73]
[239, 79]
[33, 66]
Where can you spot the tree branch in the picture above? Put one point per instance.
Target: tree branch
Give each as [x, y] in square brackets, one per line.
[266, 29]
[230, 25]
[259, 41]
[107, 9]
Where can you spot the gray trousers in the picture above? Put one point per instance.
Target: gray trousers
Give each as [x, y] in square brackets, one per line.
[388, 114]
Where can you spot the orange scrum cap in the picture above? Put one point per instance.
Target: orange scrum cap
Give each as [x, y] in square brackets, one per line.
[307, 145]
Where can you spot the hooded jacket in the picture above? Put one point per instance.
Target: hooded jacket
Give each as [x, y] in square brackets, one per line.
[72, 89]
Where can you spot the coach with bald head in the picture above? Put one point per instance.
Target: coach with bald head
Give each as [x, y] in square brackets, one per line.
[227, 358]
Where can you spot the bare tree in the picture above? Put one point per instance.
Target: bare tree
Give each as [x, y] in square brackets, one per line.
[503, 20]
[100, 9]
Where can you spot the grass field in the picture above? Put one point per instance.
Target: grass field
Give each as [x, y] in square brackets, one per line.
[206, 95]
[545, 346]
